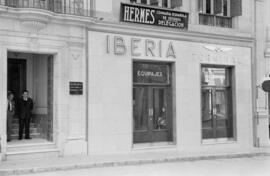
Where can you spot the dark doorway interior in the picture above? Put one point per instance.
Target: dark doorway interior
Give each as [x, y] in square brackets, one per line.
[152, 103]
[33, 72]
[16, 76]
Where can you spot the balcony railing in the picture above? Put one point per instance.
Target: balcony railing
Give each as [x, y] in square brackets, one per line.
[73, 7]
[215, 20]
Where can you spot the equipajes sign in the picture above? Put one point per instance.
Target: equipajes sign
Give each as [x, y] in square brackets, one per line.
[150, 73]
[135, 13]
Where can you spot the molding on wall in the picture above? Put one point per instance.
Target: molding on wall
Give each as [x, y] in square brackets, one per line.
[45, 15]
[159, 32]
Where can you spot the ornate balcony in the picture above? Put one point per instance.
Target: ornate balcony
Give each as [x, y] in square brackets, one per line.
[73, 7]
[215, 20]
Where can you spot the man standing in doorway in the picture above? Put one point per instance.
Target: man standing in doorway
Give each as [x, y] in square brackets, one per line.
[10, 114]
[25, 107]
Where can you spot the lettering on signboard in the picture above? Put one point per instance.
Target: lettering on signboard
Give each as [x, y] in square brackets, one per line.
[75, 88]
[139, 47]
[134, 13]
[149, 73]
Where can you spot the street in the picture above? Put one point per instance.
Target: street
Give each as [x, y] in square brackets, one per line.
[255, 166]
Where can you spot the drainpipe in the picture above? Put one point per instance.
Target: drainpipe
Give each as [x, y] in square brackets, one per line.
[254, 79]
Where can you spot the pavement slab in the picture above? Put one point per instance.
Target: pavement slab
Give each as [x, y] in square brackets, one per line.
[20, 167]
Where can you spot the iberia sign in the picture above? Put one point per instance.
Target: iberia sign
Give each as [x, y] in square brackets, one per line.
[142, 14]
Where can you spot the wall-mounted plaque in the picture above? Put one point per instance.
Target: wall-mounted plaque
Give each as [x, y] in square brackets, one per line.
[150, 73]
[75, 88]
[144, 14]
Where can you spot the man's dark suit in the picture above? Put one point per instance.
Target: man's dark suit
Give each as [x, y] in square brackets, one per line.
[25, 112]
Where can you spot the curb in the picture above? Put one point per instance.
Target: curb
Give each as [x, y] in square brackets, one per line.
[126, 163]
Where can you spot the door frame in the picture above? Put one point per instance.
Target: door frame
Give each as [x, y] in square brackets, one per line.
[231, 76]
[32, 58]
[171, 65]
[56, 55]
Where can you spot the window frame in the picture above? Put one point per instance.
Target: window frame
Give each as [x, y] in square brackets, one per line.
[229, 88]
[160, 3]
[203, 10]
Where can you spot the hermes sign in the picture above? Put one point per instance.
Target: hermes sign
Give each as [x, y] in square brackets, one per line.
[142, 14]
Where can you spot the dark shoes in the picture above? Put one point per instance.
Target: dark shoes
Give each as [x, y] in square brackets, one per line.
[20, 138]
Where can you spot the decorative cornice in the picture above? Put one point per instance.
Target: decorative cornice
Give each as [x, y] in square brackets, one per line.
[34, 25]
[44, 16]
[217, 49]
[172, 34]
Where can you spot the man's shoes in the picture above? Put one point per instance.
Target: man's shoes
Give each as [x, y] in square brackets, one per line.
[8, 140]
[28, 138]
[20, 138]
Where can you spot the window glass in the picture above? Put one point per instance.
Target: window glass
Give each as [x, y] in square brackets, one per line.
[216, 103]
[161, 3]
[154, 2]
[144, 1]
[214, 76]
[208, 7]
[225, 7]
[140, 108]
[164, 3]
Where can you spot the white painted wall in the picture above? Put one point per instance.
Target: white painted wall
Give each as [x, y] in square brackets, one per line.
[110, 88]
[63, 39]
[263, 69]
[109, 10]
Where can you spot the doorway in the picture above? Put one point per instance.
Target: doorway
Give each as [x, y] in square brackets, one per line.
[216, 102]
[32, 72]
[152, 102]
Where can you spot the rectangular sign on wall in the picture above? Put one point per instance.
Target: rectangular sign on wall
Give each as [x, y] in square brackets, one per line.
[142, 14]
[75, 88]
[150, 73]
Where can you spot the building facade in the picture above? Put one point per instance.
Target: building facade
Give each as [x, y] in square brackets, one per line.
[262, 71]
[120, 77]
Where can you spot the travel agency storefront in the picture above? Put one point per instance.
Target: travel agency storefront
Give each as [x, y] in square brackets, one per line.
[166, 88]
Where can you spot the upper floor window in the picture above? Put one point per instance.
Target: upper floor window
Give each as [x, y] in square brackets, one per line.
[219, 12]
[217, 7]
[75, 7]
[160, 3]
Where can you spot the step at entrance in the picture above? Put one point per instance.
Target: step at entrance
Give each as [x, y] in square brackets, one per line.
[31, 149]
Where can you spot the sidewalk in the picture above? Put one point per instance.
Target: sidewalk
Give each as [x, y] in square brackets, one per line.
[136, 158]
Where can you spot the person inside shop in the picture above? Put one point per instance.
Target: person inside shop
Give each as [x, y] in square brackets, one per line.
[25, 107]
[10, 114]
[161, 121]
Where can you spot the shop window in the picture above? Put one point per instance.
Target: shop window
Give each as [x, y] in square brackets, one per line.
[174, 4]
[216, 102]
[219, 12]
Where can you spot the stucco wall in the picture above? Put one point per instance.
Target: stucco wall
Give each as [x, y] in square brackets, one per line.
[39, 32]
[110, 89]
[109, 10]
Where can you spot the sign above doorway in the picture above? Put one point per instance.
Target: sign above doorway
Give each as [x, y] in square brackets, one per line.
[146, 73]
[149, 15]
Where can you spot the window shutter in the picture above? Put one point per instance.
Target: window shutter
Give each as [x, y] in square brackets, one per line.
[217, 6]
[236, 8]
[200, 6]
[176, 3]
